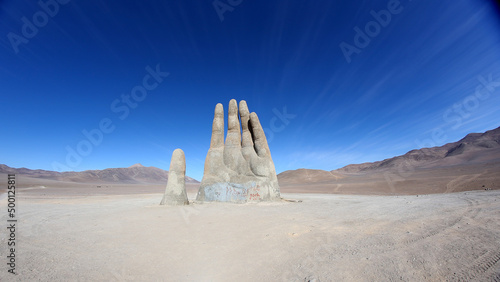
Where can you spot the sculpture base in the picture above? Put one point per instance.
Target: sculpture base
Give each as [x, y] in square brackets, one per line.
[233, 192]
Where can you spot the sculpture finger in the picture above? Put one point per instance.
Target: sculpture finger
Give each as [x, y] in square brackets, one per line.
[247, 143]
[259, 137]
[217, 140]
[214, 165]
[233, 158]
[233, 138]
[178, 162]
[175, 192]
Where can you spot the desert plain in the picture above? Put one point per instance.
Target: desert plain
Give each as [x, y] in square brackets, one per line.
[78, 232]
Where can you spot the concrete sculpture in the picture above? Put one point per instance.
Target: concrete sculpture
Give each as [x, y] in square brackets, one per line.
[175, 193]
[241, 169]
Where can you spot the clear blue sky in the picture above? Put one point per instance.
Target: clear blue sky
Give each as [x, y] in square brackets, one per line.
[65, 67]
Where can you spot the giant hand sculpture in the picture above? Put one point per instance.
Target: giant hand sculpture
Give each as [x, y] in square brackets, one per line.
[242, 169]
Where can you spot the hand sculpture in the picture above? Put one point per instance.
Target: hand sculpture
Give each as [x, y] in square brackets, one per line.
[242, 169]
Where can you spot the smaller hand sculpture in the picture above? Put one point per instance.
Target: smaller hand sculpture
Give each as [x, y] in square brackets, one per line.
[242, 169]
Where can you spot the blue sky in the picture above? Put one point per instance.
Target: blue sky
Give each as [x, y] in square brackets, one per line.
[426, 76]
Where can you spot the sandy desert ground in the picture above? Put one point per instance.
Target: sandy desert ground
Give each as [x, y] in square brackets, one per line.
[117, 236]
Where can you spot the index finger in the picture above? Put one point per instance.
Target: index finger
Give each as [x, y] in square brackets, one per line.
[217, 140]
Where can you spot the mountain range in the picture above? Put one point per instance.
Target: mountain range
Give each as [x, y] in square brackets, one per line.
[475, 147]
[469, 164]
[135, 174]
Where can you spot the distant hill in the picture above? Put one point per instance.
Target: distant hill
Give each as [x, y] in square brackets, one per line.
[135, 174]
[472, 163]
[474, 146]
[308, 176]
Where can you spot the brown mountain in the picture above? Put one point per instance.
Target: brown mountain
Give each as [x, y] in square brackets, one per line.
[308, 176]
[469, 164]
[135, 174]
[475, 147]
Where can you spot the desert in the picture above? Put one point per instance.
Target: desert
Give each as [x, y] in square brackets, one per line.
[128, 236]
[232, 140]
[434, 224]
